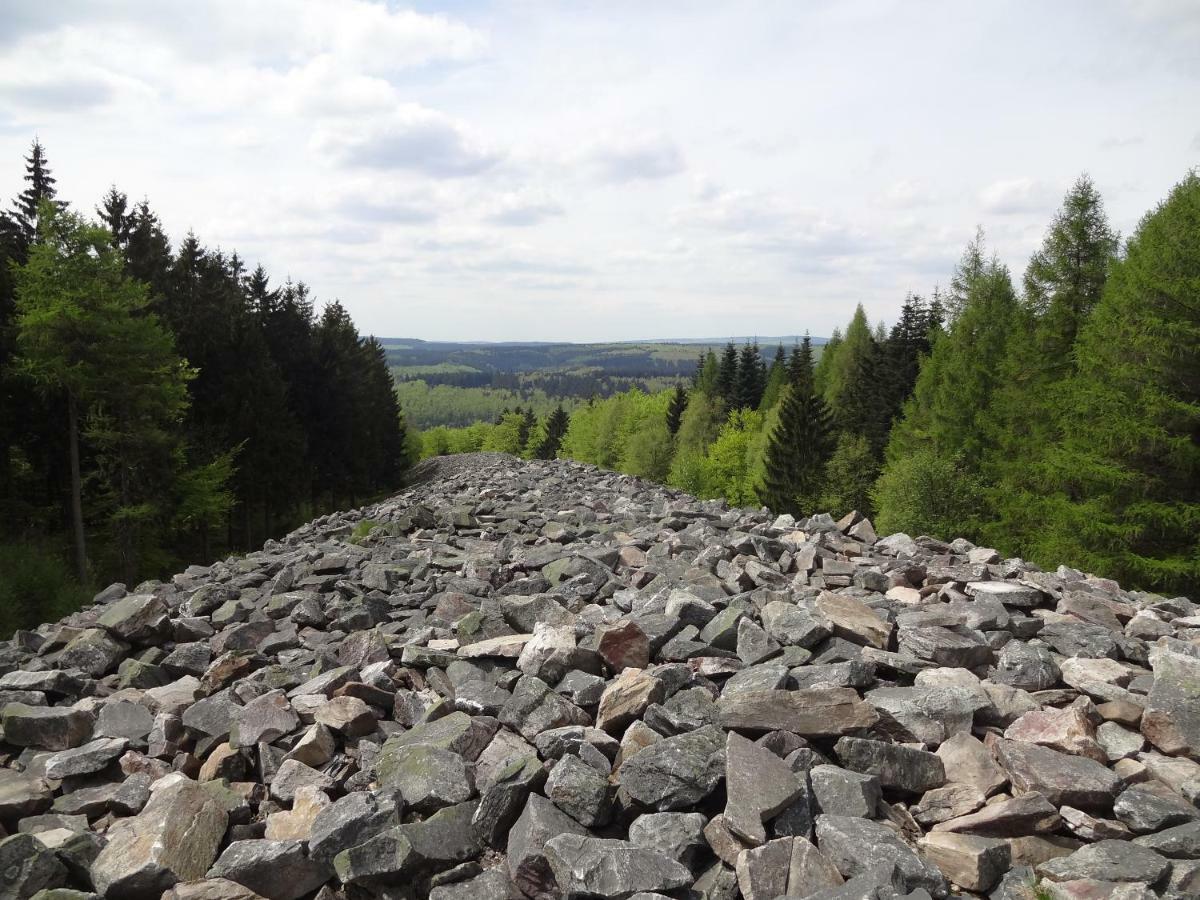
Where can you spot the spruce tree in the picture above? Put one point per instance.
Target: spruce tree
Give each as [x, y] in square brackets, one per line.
[116, 216]
[727, 375]
[556, 429]
[39, 187]
[777, 377]
[799, 446]
[675, 409]
[748, 385]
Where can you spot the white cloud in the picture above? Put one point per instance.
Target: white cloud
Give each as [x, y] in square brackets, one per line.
[413, 138]
[637, 158]
[522, 208]
[1016, 195]
[531, 169]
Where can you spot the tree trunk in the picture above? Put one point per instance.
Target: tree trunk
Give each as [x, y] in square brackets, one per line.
[76, 492]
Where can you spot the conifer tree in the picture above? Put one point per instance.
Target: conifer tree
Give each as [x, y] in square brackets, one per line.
[1123, 482]
[799, 446]
[777, 377]
[39, 187]
[675, 409]
[116, 216]
[556, 428]
[748, 385]
[727, 375]
[85, 333]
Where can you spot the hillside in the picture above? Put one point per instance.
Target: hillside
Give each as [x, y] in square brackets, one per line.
[541, 679]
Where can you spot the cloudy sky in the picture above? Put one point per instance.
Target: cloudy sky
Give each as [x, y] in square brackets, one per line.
[605, 170]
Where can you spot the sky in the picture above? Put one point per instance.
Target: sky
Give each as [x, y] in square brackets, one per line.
[536, 170]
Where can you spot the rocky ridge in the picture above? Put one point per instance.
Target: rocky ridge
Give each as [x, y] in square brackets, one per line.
[540, 680]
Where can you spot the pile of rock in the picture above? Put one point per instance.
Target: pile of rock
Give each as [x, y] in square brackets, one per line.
[541, 680]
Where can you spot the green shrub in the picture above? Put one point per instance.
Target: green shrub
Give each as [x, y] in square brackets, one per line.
[924, 493]
[35, 587]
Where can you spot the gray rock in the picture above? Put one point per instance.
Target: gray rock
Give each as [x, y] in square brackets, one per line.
[596, 867]
[676, 772]
[758, 785]
[427, 777]
[526, 851]
[842, 792]
[677, 835]
[277, 870]
[87, 759]
[46, 728]
[175, 838]
[580, 791]
[812, 713]
[900, 768]
[1153, 807]
[857, 845]
[1064, 780]
[351, 820]
[27, 866]
[975, 863]
[1120, 861]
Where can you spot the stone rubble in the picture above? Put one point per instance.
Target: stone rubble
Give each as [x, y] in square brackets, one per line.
[527, 680]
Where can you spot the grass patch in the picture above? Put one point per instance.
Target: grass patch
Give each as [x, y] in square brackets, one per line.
[361, 530]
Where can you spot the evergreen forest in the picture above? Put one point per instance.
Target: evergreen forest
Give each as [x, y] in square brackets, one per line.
[163, 405]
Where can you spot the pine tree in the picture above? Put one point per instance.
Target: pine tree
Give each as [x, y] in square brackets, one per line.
[727, 375]
[748, 384]
[1123, 482]
[39, 187]
[675, 409]
[556, 428]
[799, 446]
[116, 216]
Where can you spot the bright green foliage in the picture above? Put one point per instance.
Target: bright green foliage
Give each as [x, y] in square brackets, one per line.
[924, 493]
[697, 429]
[84, 333]
[731, 468]
[1124, 480]
[822, 372]
[850, 477]
[648, 451]
[506, 436]
[838, 368]
[777, 377]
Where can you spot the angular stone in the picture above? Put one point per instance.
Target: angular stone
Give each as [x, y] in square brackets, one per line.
[93, 651]
[626, 699]
[351, 820]
[1026, 666]
[278, 870]
[1064, 780]
[975, 863]
[349, 716]
[762, 872]
[676, 772]
[968, 761]
[856, 846]
[210, 889]
[263, 720]
[853, 620]
[296, 824]
[22, 795]
[1153, 807]
[597, 867]
[948, 802]
[534, 707]
[427, 777]
[1120, 861]
[526, 851]
[175, 838]
[845, 793]
[1066, 730]
[1029, 813]
[897, 767]
[28, 866]
[580, 791]
[293, 775]
[759, 785]
[87, 759]
[677, 835]
[929, 714]
[812, 713]
[137, 619]
[1171, 721]
[623, 645]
